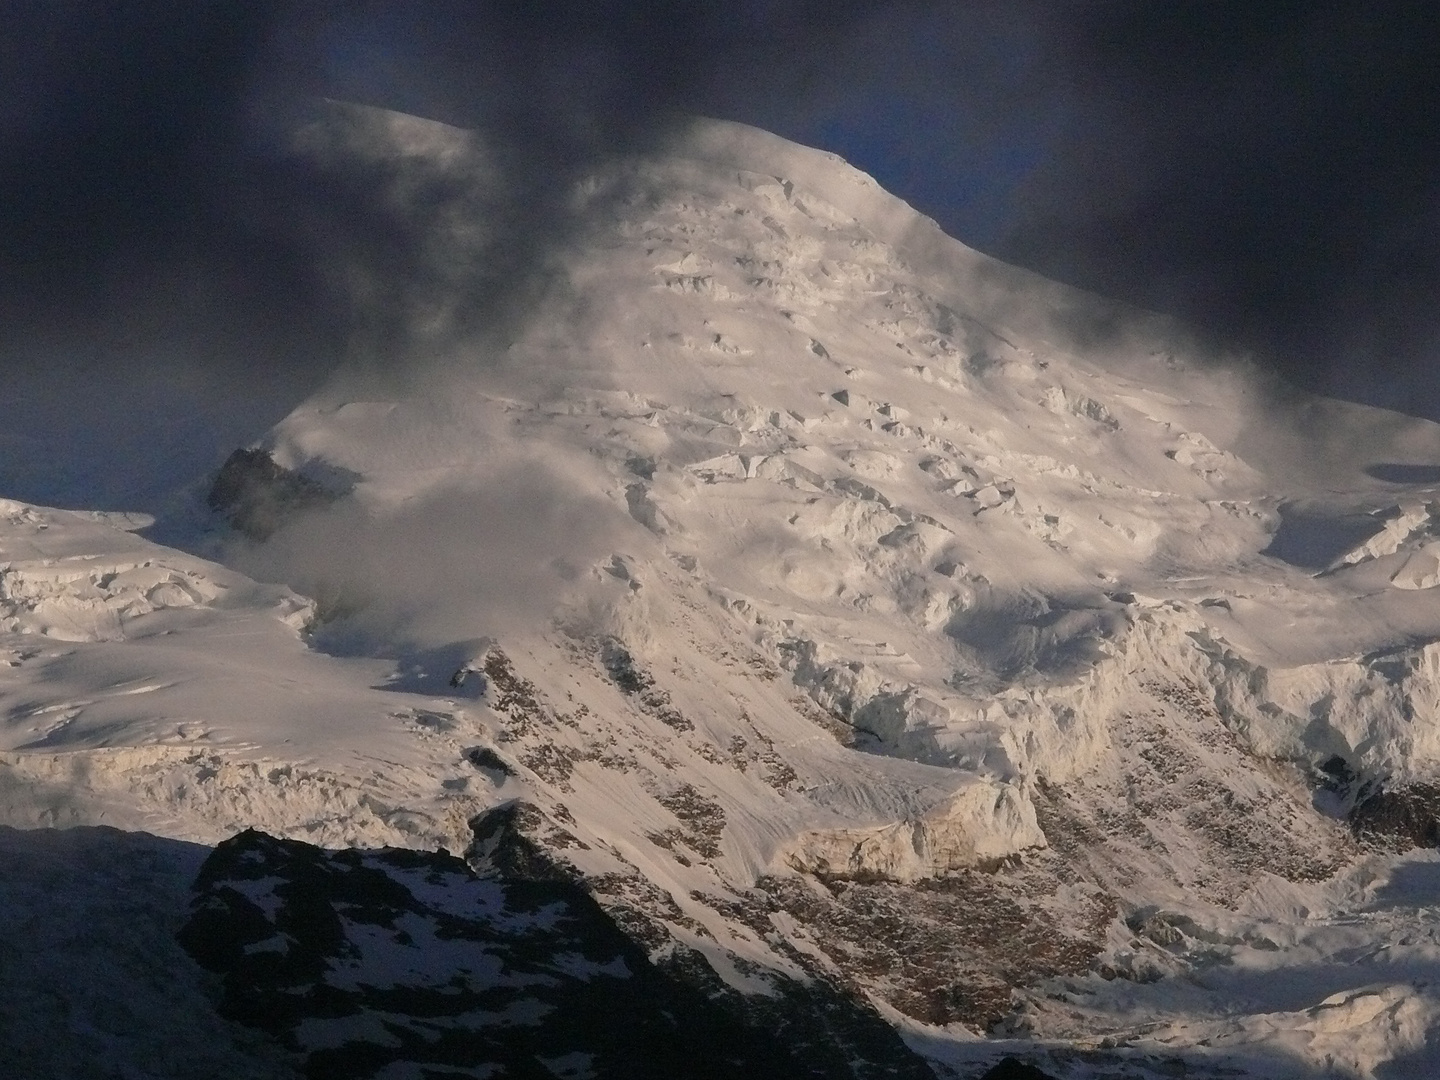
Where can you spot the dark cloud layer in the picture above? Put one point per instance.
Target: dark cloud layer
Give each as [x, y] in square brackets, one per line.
[1267, 171]
[123, 148]
[145, 179]
[161, 247]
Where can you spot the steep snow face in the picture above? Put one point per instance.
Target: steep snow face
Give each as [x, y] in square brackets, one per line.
[843, 604]
[955, 504]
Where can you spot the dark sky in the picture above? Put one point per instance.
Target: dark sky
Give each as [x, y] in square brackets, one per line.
[1270, 172]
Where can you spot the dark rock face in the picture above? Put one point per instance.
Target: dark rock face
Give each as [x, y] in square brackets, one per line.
[91, 977]
[256, 495]
[1404, 817]
[1014, 1069]
[828, 1030]
[367, 962]
[952, 948]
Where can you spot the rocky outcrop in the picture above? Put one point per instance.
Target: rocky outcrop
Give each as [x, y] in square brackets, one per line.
[365, 962]
[257, 495]
[1405, 817]
[829, 1030]
[979, 826]
[1011, 1068]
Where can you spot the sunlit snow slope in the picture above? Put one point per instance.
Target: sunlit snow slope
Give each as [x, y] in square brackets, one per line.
[849, 605]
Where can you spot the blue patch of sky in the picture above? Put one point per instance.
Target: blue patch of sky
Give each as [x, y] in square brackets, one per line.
[924, 153]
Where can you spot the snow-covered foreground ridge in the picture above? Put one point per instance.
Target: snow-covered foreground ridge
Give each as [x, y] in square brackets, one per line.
[842, 604]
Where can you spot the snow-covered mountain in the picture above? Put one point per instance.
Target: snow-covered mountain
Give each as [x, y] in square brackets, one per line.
[847, 624]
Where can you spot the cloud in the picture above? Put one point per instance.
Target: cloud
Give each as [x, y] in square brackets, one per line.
[161, 242]
[1269, 172]
[174, 277]
[458, 562]
[148, 179]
